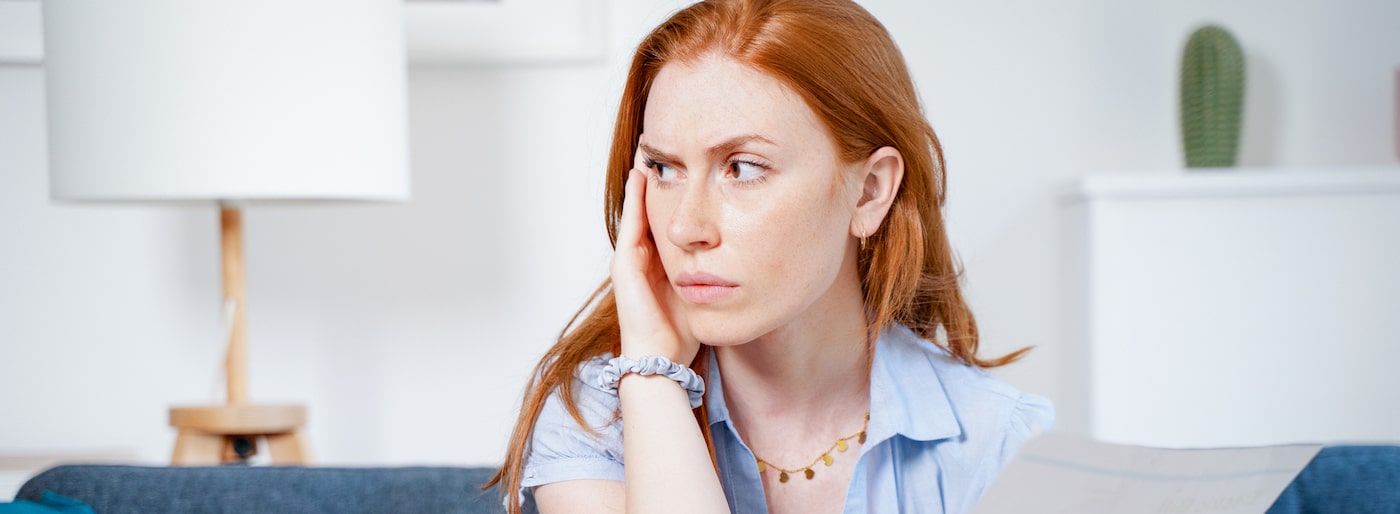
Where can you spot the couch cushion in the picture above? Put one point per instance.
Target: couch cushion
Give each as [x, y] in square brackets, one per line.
[272, 489]
[1345, 480]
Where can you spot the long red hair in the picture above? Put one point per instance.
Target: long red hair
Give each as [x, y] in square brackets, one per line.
[844, 64]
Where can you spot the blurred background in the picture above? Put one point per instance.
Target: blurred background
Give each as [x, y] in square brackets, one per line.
[410, 329]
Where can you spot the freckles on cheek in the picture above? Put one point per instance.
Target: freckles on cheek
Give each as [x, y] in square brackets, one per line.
[787, 232]
[815, 232]
[658, 217]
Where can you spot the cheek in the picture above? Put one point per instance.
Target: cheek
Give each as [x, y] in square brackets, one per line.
[658, 211]
[799, 237]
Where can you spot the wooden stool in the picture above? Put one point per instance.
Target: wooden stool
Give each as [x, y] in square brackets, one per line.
[229, 433]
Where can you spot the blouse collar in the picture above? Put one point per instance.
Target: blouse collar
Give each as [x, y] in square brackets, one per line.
[906, 396]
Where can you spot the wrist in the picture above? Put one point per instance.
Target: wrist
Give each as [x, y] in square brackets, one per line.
[649, 389]
[670, 352]
[652, 366]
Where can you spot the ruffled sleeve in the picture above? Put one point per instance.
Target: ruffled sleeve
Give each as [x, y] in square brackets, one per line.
[1032, 415]
[562, 450]
[1028, 417]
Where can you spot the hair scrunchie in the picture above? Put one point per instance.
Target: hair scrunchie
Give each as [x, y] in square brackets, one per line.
[620, 366]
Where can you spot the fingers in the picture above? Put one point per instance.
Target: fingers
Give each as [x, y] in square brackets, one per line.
[634, 217]
[647, 307]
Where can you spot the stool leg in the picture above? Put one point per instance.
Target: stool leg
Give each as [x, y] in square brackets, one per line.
[194, 448]
[289, 448]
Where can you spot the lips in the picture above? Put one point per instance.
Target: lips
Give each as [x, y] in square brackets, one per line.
[701, 287]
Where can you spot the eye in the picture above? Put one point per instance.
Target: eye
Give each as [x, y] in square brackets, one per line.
[745, 171]
[662, 172]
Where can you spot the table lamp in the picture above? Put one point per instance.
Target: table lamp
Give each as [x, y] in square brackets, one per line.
[234, 103]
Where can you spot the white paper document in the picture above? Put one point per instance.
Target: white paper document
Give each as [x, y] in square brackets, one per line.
[1062, 474]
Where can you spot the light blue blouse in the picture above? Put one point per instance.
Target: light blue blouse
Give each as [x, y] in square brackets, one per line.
[939, 433]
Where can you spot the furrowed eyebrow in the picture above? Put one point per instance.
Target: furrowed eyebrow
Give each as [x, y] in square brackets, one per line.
[657, 155]
[728, 145]
[720, 148]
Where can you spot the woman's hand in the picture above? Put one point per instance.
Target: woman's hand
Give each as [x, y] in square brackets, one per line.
[648, 310]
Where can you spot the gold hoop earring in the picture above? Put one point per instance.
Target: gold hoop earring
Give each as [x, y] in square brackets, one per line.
[862, 238]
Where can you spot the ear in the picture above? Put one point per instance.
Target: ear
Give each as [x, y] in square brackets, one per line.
[879, 178]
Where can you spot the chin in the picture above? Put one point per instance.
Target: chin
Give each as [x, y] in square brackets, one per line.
[725, 329]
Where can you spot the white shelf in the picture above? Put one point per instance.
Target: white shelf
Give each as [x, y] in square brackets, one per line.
[21, 40]
[1232, 307]
[1235, 182]
[436, 33]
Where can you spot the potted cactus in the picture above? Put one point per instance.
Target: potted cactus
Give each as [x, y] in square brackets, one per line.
[1212, 98]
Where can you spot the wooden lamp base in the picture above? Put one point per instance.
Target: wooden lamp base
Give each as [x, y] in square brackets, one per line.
[229, 433]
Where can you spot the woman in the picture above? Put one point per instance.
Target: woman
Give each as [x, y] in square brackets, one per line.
[774, 199]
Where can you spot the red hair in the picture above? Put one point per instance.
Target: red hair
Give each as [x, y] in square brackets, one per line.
[844, 64]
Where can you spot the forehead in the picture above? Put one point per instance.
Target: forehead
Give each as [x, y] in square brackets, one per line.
[716, 97]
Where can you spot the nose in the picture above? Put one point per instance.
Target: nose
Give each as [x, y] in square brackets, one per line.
[692, 226]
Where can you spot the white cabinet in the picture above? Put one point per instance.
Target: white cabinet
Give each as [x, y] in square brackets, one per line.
[1233, 307]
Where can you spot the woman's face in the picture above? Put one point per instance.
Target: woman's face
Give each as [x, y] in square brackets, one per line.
[745, 201]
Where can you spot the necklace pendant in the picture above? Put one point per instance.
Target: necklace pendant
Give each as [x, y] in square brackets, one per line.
[825, 458]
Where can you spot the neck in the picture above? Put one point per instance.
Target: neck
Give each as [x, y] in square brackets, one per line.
[816, 368]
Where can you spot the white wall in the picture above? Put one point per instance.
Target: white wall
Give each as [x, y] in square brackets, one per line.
[410, 329]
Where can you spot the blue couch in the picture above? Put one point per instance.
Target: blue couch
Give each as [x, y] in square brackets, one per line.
[269, 489]
[1345, 480]
[1340, 480]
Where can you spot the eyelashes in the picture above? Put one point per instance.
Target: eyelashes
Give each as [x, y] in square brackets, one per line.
[757, 172]
[651, 164]
[658, 173]
[740, 172]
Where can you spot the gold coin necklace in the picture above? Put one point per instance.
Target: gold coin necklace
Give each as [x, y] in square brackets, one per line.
[825, 458]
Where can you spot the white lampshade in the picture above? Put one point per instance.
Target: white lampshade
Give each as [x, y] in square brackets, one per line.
[239, 100]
